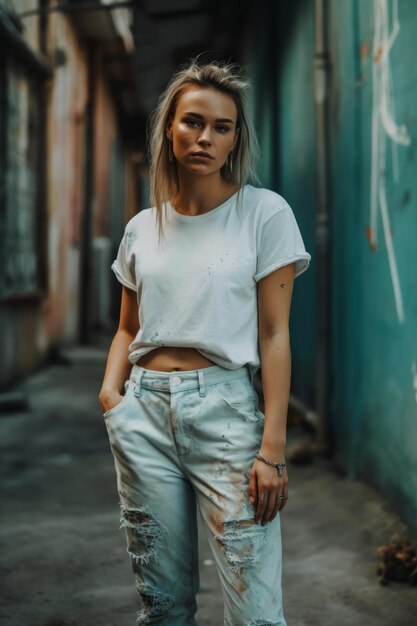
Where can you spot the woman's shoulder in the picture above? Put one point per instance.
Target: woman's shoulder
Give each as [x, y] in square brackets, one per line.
[137, 221]
[265, 202]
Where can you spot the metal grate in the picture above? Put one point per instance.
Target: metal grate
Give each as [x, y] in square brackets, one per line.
[19, 174]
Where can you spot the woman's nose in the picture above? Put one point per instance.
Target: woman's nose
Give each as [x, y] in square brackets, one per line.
[205, 135]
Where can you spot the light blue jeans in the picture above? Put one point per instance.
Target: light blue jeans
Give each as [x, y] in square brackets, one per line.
[182, 439]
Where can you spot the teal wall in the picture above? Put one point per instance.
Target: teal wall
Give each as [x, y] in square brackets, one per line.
[373, 286]
[284, 118]
[374, 331]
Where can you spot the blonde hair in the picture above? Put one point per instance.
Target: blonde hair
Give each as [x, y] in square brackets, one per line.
[220, 75]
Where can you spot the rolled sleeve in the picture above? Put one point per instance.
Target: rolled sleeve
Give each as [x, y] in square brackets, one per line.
[280, 244]
[124, 264]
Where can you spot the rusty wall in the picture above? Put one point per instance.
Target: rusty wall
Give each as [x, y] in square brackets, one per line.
[51, 317]
[65, 168]
[105, 134]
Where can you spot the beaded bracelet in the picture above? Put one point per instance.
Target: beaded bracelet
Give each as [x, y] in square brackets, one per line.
[279, 466]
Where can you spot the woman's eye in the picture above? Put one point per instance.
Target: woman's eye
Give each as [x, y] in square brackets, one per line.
[222, 129]
[191, 122]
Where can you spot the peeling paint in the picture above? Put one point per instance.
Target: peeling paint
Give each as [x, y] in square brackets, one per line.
[414, 377]
[383, 126]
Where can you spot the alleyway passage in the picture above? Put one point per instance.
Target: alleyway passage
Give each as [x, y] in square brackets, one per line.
[64, 559]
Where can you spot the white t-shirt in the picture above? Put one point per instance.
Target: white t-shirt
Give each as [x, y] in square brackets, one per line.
[198, 288]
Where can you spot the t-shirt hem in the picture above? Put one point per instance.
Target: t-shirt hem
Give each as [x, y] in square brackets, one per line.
[304, 262]
[137, 353]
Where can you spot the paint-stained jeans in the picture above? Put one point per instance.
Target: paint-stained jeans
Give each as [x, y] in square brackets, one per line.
[182, 439]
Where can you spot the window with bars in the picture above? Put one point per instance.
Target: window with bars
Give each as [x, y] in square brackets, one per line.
[19, 178]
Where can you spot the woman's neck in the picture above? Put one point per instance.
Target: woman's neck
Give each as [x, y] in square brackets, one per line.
[199, 194]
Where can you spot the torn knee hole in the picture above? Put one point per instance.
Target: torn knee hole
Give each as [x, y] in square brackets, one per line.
[143, 532]
[155, 603]
[242, 542]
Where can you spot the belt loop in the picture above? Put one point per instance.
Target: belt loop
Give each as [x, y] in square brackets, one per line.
[138, 382]
[201, 384]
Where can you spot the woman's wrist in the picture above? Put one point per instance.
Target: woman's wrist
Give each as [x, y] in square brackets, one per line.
[107, 393]
[274, 451]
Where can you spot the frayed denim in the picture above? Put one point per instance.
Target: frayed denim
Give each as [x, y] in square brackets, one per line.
[182, 440]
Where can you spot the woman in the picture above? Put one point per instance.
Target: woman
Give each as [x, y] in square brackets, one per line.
[207, 275]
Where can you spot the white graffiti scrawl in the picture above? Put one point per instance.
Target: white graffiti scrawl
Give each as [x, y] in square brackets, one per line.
[414, 377]
[383, 126]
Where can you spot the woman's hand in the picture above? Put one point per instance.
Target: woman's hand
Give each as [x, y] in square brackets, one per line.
[109, 400]
[265, 485]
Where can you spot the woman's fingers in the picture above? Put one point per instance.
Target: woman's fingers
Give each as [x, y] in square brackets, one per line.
[285, 494]
[277, 507]
[252, 487]
[262, 503]
[280, 503]
[269, 509]
[264, 490]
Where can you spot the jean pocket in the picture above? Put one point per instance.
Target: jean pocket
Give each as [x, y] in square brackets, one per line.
[239, 395]
[128, 386]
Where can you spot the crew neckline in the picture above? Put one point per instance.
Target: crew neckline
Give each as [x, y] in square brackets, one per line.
[207, 214]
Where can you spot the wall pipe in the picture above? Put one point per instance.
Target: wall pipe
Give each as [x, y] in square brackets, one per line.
[322, 68]
[86, 261]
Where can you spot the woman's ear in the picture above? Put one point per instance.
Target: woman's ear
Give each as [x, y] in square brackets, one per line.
[236, 137]
[168, 129]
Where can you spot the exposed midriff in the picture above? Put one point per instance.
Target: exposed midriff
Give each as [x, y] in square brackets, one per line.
[170, 358]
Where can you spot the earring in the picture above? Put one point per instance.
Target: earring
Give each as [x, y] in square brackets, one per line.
[170, 153]
[231, 161]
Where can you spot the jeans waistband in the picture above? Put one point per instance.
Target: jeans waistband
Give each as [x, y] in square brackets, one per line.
[184, 379]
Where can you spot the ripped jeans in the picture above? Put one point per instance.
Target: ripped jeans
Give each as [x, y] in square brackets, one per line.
[181, 440]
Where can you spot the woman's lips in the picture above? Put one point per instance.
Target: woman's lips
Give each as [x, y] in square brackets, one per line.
[200, 156]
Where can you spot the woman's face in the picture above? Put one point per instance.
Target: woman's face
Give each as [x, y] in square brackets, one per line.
[204, 121]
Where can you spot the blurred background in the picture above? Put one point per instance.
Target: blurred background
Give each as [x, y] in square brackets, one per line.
[334, 102]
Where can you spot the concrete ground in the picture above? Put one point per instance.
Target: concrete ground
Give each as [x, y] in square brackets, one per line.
[64, 559]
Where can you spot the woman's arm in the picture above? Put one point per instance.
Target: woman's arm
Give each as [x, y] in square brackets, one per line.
[274, 304]
[118, 366]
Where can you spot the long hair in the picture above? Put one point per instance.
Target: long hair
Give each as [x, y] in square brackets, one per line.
[163, 174]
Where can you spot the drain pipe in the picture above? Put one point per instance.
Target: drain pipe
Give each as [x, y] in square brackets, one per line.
[322, 68]
[86, 263]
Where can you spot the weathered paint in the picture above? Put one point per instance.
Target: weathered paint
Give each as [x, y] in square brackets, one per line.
[281, 66]
[66, 128]
[54, 317]
[375, 254]
[373, 223]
